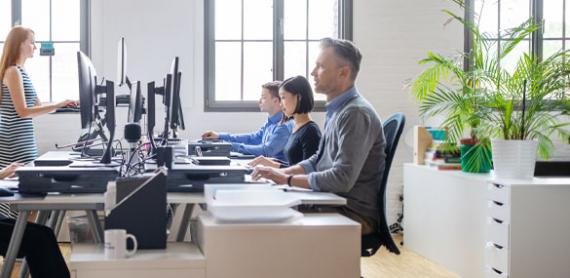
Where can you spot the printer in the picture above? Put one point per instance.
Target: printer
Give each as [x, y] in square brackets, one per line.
[65, 179]
[209, 148]
[191, 177]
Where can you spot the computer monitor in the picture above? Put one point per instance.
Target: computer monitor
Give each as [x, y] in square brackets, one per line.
[167, 105]
[110, 121]
[135, 104]
[87, 89]
[150, 114]
[122, 78]
[175, 106]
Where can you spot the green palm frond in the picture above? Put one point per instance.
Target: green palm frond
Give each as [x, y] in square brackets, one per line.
[477, 156]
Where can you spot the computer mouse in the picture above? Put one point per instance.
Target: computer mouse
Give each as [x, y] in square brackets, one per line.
[5, 192]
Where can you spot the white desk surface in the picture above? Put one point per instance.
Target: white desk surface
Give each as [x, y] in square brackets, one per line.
[309, 198]
[488, 177]
[177, 254]
[308, 219]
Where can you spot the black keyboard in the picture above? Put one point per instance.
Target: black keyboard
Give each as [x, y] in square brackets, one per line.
[68, 110]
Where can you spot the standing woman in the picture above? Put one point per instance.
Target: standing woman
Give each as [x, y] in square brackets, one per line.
[19, 101]
[18, 105]
[297, 102]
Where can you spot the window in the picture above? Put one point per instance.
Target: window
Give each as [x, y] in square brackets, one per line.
[495, 15]
[250, 42]
[56, 21]
[556, 33]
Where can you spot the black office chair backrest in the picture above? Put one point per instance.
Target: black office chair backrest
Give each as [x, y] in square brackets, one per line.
[393, 128]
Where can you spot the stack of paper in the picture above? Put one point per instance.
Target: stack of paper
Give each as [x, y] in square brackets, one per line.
[253, 206]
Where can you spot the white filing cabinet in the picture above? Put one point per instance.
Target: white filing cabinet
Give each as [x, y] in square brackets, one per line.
[178, 260]
[528, 228]
[457, 220]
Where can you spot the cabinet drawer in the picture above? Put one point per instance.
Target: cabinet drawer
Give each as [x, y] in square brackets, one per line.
[499, 193]
[499, 211]
[497, 257]
[494, 273]
[497, 233]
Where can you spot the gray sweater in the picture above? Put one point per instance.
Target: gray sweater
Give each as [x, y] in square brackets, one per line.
[353, 158]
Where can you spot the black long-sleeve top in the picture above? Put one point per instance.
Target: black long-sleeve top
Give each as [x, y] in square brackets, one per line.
[302, 143]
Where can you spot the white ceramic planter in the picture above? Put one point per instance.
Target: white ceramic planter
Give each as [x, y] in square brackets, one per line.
[514, 159]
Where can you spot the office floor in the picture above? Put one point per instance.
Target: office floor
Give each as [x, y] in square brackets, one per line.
[383, 264]
[407, 264]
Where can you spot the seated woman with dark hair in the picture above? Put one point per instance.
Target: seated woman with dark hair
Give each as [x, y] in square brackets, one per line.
[297, 102]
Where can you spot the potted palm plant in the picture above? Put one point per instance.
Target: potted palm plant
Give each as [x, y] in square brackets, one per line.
[491, 102]
[523, 110]
[447, 88]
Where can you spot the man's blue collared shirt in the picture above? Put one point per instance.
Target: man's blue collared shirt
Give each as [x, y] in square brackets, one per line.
[337, 103]
[268, 141]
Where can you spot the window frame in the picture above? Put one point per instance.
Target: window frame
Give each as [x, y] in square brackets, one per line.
[210, 104]
[536, 38]
[84, 32]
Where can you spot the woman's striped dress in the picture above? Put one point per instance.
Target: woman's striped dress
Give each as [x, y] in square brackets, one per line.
[17, 139]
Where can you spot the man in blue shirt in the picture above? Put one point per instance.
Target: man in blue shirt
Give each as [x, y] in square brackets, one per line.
[271, 138]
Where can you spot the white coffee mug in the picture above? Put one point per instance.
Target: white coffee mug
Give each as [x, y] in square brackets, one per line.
[116, 244]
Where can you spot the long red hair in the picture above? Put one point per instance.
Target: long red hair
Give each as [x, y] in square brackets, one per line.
[12, 48]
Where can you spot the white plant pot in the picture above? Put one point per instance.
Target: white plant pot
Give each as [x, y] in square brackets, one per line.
[514, 159]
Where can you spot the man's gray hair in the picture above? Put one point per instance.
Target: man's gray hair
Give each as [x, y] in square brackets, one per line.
[347, 51]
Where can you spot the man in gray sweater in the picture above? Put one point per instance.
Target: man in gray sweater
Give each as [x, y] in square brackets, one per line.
[350, 159]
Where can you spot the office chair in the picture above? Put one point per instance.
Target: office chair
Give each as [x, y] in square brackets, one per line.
[393, 128]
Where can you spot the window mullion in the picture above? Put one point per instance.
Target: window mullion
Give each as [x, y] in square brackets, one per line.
[345, 19]
[242, 52]
[278, 40]
[468, 34]
[16, 12]
[307, 40]
[85, 27]
[536, 41]
[50, 57]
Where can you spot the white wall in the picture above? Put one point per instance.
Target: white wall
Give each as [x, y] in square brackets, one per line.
[392, 35]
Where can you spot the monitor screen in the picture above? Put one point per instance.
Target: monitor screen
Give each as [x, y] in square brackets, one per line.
[175, 104]
[87, 87]
[135, 104]
[121, 62]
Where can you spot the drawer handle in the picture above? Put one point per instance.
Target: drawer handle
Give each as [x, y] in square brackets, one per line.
[498, 185]
[497, 220]
[498, 203]
[496, 271]
[494, 245]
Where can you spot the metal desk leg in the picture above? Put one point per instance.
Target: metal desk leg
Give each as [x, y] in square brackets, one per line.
[95, 226]
[14, 246]
[59, 222]
[184, 222]
[53, 219]
[171, 213]
[42, 217]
